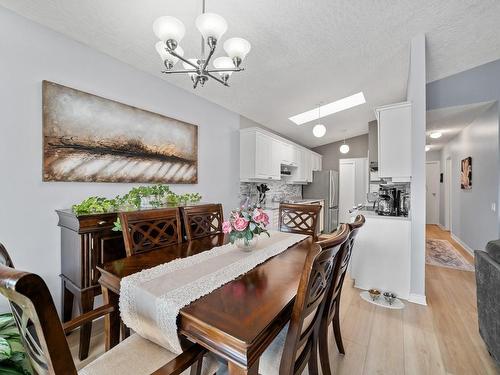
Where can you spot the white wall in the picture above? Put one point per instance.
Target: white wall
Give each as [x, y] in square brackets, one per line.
[30, 54]
[433, 155]
[416, 95]
[473, 220]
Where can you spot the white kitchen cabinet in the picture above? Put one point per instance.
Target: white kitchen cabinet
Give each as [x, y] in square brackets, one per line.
[381, 254]
[317, 161]
[394, 141]
[259, 156]
[287, 154]
[262, 153]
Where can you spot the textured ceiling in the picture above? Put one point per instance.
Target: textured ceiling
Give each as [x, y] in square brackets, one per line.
[303, 52]
[450, 121]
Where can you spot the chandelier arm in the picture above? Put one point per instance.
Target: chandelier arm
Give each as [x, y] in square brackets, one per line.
[216, 78]
[224, 70]
[183, 59]
[210, 54]
[178, 71]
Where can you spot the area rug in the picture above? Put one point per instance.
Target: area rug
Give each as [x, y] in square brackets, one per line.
[442, 253]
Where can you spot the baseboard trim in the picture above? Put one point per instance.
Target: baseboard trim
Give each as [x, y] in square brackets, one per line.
[462, 243]
[442, 227]
[418, 299]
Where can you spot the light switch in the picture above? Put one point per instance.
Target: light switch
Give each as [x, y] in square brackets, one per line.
[493, 207]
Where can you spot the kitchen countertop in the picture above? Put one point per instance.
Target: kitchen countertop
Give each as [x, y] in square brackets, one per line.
[276, 205]
[374, 215]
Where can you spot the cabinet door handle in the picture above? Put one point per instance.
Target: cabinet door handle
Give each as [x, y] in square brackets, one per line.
[102, 222]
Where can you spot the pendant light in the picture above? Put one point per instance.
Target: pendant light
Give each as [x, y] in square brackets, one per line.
[319, 130]
[344, 149]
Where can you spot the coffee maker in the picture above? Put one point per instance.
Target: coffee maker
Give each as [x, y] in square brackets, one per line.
[392, 201]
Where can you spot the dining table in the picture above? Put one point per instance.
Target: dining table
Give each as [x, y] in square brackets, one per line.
[236, 321]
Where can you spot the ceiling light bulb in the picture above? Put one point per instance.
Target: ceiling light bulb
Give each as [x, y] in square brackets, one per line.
[344, 149]
[436, 135]
[427, 148]
[224, 62]
[211, 25]
[169, 28]
[189, 67]
[165, 55]
[319, 130]
[237, 48]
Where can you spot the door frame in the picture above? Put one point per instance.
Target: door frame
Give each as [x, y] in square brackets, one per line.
[438, 200]
[447, 193]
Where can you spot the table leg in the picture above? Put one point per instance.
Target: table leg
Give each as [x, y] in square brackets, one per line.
[112, 320]
[234, 369]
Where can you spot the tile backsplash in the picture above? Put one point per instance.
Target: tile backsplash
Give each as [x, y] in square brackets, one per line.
[277, 190]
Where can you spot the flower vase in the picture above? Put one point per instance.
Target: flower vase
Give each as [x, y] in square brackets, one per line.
[247, 245]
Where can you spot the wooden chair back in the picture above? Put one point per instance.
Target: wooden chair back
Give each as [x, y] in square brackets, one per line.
[31, 304]
[299, 218]
[201, 221]
[5, 257]
[300, 346]
[150, 229]
[333, 294]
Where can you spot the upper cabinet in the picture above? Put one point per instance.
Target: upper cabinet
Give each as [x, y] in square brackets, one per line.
[394, 141]
[262, 155]
[259, 156]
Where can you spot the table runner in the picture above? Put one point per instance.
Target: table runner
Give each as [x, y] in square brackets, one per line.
[150, 300]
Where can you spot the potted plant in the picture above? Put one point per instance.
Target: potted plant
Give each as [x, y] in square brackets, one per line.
[245, 226]
[13, 358]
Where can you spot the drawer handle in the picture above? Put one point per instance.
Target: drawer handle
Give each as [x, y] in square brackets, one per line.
[102, 222]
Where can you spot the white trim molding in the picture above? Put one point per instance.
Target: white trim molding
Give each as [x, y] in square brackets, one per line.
[418, 299]
[462, 243]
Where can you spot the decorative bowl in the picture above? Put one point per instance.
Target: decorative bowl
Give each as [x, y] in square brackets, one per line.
[374, 294]
[389, 297]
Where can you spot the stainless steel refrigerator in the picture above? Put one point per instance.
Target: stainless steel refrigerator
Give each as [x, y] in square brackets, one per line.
[325, 186]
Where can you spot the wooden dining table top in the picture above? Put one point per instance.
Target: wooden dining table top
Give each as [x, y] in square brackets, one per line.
[238, 320]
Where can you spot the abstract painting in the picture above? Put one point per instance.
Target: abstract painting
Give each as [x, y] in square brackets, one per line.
[466, 173]
[93, 139]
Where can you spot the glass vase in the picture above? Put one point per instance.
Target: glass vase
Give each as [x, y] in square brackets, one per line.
[247, 245]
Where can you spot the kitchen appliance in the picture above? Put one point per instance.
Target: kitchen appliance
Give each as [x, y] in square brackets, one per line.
[325, 186]
[384, 205]
[393, 200]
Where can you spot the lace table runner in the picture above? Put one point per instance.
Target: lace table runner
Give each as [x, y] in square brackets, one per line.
[150, 300]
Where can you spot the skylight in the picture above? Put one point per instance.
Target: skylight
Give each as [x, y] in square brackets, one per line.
[330, 108]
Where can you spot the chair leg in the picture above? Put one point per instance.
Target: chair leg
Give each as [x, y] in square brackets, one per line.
[313, 359]
[323, 349]
[86, 305]
[196, 367]
[336, 329]
[124, 330]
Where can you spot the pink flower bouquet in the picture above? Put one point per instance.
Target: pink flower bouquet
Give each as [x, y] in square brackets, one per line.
[246, 223]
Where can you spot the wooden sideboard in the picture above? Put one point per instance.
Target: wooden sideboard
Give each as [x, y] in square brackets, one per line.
[86, 241]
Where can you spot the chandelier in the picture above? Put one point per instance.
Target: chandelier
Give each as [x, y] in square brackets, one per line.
[171, 30]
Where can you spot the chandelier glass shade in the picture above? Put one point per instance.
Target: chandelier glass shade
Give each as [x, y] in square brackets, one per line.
[212, 27]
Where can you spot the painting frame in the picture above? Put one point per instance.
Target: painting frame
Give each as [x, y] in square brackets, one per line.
[90, 138]
[466, 173]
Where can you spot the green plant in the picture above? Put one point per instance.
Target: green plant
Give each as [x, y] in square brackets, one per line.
[13, 358]
[156, 195]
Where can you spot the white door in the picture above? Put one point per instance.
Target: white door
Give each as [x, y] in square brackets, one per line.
[347, 188]
[432, 192]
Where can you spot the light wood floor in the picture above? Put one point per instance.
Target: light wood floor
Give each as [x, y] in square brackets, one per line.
[441, 338]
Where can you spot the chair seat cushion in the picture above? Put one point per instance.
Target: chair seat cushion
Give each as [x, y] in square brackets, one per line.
[269, 363]
[138, 356]
[493, 248]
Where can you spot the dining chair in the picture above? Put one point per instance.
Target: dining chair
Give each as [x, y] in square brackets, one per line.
[43, 337]
[201, 221]
[150, 229]
[5, 257]
[331, 312]
[299, 218]
[296, 344]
